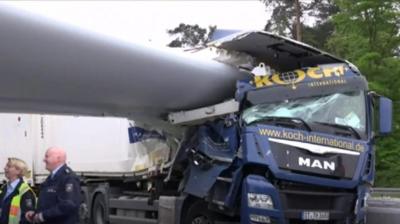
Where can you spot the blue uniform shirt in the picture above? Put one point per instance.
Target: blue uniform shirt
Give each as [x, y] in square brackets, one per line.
[54, 172]
[11, 187]
[60, 198]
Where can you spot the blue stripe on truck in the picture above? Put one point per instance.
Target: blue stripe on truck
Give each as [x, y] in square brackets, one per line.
[137, 134]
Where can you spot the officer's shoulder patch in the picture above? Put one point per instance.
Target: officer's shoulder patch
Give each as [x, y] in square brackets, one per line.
[69, 187]
[29, 203]
[67, 170]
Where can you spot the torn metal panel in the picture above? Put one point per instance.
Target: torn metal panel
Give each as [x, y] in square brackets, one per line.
[282, 54]
[200, 115]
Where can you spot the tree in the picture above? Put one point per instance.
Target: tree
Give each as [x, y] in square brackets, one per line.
[288, 16]
[318, 35]
[366, 29]
[190, 35]
[368, 34]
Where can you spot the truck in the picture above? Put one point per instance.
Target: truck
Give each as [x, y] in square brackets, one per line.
[292, 142]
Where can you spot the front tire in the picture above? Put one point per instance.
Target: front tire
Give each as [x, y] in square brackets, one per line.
[99, 210]
[198, 213]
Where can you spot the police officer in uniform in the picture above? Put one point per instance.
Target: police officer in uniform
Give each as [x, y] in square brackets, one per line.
[59, 197]
[16, 197]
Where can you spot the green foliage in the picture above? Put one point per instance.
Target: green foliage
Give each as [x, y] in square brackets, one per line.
[190, 35]
[364, 27]
[318, 35]
[367, 33]
[388, 156]
[284, 13]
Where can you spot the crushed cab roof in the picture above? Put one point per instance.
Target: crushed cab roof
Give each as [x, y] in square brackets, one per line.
[282, 54]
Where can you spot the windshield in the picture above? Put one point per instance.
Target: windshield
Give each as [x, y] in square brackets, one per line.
[346, 109]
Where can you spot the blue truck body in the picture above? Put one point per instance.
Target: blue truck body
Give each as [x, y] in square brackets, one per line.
[300, 163]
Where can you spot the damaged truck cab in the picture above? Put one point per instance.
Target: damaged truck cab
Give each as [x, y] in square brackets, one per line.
[295, 146]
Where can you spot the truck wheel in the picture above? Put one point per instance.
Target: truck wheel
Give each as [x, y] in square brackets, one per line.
[99, 210]
[199, 214]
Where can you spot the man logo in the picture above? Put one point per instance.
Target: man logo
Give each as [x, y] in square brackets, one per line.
[315, 163]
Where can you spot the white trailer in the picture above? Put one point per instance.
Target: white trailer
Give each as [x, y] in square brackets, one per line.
[98, 149]
[97, 146]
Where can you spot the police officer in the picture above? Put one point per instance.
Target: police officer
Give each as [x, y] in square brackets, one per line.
[59, 197]
[16, 197]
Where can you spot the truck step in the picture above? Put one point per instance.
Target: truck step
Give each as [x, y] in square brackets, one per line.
[225, 179]
[134, 204]
[218, 202]
[128, 220]
[136, 193]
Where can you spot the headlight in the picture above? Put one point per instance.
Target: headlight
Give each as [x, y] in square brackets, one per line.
[262, 201]
[260, 218]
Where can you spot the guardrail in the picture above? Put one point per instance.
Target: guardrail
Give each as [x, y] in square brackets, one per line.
[384, 206]
[385, 192]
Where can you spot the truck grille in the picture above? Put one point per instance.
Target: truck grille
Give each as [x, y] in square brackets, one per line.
[297, 198]
[302, 161]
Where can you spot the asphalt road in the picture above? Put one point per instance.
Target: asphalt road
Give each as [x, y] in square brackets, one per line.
[383, 211]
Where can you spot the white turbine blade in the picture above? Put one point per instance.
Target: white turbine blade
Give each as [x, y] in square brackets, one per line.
[47, 67]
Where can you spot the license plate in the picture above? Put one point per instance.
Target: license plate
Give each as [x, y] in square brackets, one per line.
[315, 215]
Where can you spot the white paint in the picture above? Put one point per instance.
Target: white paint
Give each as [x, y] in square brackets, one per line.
[319, 149]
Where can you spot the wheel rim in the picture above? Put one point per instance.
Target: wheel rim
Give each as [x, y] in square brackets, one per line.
[201, 220]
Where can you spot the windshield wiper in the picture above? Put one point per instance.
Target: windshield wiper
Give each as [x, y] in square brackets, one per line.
[291, 120]
[343, 127]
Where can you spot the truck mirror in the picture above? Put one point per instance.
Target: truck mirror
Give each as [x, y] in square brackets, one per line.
[385, 115]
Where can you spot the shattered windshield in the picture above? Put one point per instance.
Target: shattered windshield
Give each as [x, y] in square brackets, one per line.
[346, 109]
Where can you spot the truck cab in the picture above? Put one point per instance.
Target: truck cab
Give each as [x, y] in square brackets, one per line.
[298, 147]
[312, 131]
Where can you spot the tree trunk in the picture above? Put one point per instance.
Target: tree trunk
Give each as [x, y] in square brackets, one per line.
[298, 24]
